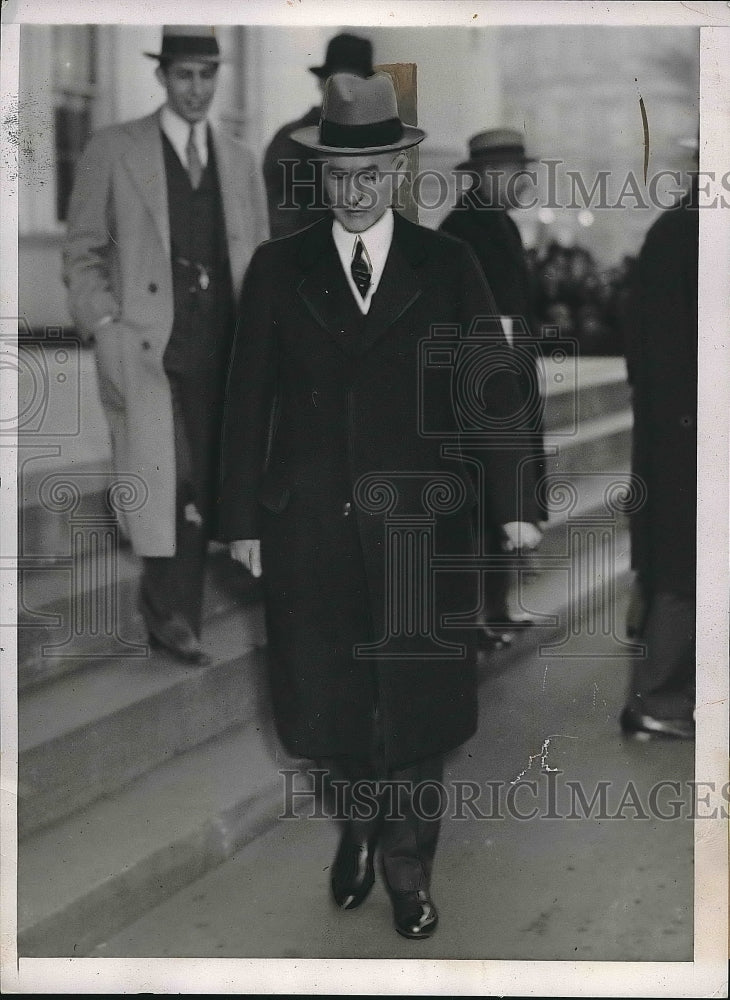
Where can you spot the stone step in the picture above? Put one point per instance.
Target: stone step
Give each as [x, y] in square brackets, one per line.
[66, 623]
[46, 608]
[579, 390]
[88, 733]
[80, 880]
[64, 481]
[97, 870]
[602, 444]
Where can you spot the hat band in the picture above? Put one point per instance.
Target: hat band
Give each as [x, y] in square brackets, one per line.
[188, 45]
[360, 136]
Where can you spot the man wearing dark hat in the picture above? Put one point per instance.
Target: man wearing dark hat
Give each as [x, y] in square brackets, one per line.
[294, 185]
[498, 163]
[164, 217]
[324, 440]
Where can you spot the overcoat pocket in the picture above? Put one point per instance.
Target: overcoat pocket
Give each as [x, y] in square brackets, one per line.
[274, 497]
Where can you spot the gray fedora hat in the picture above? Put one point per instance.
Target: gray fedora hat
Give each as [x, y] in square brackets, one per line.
[187, 41]
[359, 116]
[495, 145]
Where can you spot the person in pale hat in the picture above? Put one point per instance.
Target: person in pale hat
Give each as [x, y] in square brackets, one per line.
[323, 399]
[165, 215]
[293, 184]
[498, 163]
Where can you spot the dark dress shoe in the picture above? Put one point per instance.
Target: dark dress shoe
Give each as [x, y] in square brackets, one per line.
[353, 872]
[415, 914]
[643, 726]
[176, 637]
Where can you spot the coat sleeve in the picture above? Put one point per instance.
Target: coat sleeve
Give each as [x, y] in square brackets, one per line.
[89, 238]
[509, 471]
[250, 395]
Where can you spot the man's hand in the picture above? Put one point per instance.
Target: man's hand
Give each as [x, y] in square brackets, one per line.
[520, 535]
[248, 552]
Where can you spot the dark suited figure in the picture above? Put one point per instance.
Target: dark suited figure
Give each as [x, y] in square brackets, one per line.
[294, 183]
[661, 346]
[496, 160]
[323, 398]
[165, 214]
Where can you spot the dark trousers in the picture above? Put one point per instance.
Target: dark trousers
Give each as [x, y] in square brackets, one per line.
[662, 683]
[406, 835]
[173, 586]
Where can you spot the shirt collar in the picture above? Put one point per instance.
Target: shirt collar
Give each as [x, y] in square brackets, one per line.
[377, 240]
[177, 131]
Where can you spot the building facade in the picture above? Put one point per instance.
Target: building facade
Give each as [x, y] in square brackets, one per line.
[574, 91]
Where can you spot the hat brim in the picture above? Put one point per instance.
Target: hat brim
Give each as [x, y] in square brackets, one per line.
[309, 137]
[180, 57]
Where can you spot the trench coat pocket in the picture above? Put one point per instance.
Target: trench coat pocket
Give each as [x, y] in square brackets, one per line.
[274, 497]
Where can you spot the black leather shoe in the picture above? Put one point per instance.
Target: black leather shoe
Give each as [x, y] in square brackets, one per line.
[353, 872]
[415, 914]
[642, 726]
[176, 637]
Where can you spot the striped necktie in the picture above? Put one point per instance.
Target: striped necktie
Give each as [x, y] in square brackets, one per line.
[195, 167]
[360, 268]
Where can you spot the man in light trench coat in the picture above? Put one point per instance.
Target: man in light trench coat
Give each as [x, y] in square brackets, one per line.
[165, 215]
[323, 439]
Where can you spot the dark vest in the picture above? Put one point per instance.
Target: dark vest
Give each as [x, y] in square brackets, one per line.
[202, 294]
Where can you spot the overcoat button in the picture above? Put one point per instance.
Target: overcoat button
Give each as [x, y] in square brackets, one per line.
[152, 287]
[346, 509]
[145, 345]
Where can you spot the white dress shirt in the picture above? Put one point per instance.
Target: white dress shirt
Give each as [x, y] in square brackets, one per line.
[377, 242]
[177, 131]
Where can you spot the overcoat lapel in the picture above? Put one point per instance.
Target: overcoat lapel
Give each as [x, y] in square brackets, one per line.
[399, 288]
[324, 288]
[327, 295]
[144, 160]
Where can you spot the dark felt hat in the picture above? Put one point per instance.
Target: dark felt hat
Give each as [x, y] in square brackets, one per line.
[495, 145]
[346, 54]
[188, 41]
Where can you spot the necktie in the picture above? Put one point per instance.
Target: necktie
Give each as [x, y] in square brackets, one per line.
[195, 167]
[360, 268]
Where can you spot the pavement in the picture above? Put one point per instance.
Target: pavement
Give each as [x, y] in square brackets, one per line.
[607, 882]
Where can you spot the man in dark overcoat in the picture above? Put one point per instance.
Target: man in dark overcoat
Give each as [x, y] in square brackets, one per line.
[498, 162]
[165, 214]
[328, 453]
[661, 347]
[293, 180]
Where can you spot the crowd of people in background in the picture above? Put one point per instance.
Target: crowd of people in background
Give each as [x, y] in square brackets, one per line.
[587, 302]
